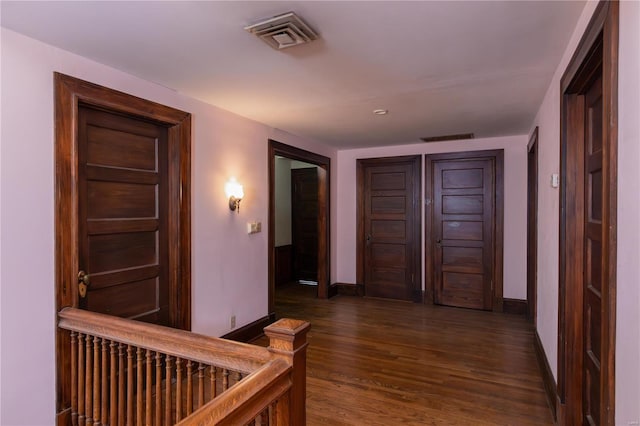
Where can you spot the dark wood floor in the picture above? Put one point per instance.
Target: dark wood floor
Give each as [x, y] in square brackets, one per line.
[380, 362]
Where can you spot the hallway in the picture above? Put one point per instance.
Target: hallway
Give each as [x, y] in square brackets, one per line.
[379, 362]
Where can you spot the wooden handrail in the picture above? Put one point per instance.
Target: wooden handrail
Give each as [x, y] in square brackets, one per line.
[209, 350]
[242, 403]
[130, 372]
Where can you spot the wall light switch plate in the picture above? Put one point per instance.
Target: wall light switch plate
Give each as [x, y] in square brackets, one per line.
[555, 180]
[254, 227]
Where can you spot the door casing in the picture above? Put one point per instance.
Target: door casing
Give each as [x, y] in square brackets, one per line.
[70, 93]
[532, 226]
[498, 155]
[324, 172]
[597, 48]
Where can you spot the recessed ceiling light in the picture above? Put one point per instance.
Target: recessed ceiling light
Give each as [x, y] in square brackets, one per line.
[381, 111]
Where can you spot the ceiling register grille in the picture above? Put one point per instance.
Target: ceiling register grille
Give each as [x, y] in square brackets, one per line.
[283, 31]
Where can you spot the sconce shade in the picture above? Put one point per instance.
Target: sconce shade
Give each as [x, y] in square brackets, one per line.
[234, 191]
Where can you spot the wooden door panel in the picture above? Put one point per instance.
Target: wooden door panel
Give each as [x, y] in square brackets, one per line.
[304, 219]
[111, 200]
[129, 300]
[463, 178]
[592, 279]
[388, 204]
[123, 163]
[114, 148]
[388, 254]
[462, 230]
[465, 290]
[388, 180]
[463, 248]
[462, 256]
[462, 204]
[390, 191]
[123, 250]
[389, 229]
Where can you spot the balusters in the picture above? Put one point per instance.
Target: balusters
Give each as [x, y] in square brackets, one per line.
[88, 381]
[264, 417]
[225, 379]
[212, 372]
[81, 371]
[113, 384]
[189, 387]
[129, 385]
[121, 402]
[178, 389]
[139, 387]
[158, 389]
[200, 384]
[167, 387]
[74, 378]
[113, 414]
[149, 383]
[96, 380]
[105, 384]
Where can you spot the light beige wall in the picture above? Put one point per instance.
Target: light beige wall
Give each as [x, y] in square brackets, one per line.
[283, 202]
[628, 288]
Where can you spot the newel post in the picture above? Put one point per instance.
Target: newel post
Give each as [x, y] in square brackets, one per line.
[288, 339]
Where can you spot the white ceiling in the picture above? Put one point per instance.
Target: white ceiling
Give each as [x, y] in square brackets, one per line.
[438, 67]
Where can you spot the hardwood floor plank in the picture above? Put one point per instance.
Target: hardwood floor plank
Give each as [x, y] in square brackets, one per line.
[382, 362]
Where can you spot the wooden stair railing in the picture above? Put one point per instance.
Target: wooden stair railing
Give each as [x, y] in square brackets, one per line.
[126, 372]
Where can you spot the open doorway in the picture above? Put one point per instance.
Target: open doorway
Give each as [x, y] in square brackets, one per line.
[298, 219]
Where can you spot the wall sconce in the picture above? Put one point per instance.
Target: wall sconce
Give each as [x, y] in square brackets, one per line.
[235, 193]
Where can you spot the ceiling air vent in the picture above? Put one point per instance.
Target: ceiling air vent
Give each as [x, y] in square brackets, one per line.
[283, 31]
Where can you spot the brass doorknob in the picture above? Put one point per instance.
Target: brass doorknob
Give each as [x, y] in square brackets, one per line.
[84, 277]
[83, 283]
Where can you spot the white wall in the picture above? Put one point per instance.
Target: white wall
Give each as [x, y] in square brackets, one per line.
[282, 202]
[229, 267]
[515, 202]
[628, 287]
[628, 269]
[282, 195]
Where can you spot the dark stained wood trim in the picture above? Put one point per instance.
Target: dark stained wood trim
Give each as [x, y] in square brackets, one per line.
[324, 242]
[600, 38]
[251, 331]
[333, 291]
[498, 155]
[514, 306]
[532, 226]
[69, 94]
[417, 191]
[547, 375]
[348, 289]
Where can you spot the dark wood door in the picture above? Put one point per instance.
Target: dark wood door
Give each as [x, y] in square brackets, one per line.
[304, 223]
[591, 281]
[532, 226]
[122, 203]
[588, 225]
[391, 220]
[462, 236]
